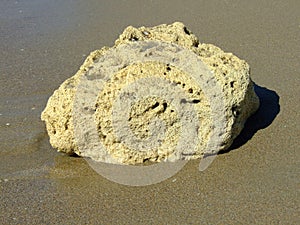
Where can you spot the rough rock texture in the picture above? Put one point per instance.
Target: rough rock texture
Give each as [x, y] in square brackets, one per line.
[231, 73]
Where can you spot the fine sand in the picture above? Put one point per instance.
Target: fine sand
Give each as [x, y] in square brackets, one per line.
[44, 42]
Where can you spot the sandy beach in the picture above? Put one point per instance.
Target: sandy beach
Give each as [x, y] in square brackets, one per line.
[44, 42]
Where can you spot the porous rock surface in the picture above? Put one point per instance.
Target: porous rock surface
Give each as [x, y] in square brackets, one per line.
[231, 73]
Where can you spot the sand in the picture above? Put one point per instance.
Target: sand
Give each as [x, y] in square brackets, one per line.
[42, 43]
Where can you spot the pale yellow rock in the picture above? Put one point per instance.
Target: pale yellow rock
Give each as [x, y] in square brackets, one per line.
[231, 73]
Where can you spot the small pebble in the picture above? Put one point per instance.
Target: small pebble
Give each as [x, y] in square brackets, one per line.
[33, 108]
[22, 49]
[5, 180]
[146, 33]
[174, 180]
[7, 124]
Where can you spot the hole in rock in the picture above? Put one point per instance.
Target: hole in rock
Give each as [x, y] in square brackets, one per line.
[186, 31]
[133, 38]
[231, 84]
[235, 110]
[165, 105]
[155, 105]
[183, 100]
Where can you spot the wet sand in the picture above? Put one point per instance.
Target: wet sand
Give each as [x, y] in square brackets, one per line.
[42, 43]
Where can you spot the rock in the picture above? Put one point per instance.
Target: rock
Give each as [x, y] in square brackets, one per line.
[127, 90]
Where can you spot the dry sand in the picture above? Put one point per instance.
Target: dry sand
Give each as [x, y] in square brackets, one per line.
[43, 42]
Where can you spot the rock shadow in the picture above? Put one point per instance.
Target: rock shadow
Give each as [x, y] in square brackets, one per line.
[264, 116]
